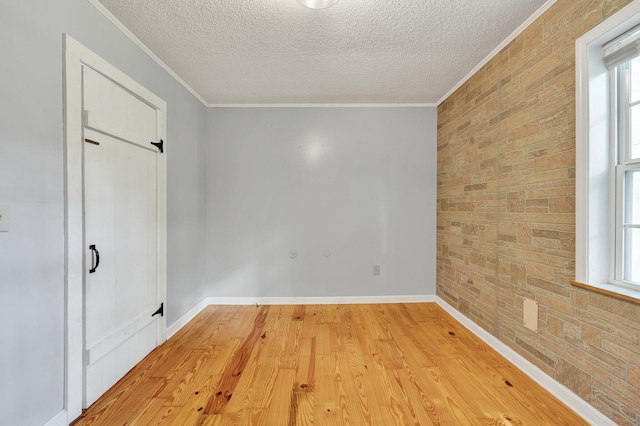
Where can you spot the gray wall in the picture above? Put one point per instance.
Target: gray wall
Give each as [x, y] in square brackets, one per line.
[357, 182]
[31, 181]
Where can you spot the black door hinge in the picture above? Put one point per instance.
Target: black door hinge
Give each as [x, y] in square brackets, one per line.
[159, 145]
[160, 311]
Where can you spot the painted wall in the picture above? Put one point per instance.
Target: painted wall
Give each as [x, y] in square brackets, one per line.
[506, 214]
[345, 188]
[31, 181]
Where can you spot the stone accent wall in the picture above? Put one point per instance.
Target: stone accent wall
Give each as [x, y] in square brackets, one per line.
[506, 214]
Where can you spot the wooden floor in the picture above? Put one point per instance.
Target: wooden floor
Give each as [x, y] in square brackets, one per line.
[397, 364]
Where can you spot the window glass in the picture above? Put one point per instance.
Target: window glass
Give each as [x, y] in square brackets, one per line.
[632, 255]
[635, 132]
[634, 96]
[635, 80]
[628, 183]
[632, 198]
[631, 244]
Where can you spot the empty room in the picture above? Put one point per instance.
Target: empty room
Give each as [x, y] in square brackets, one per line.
[320, 212]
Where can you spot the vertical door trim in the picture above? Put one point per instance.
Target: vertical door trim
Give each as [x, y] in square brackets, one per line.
[75, 56]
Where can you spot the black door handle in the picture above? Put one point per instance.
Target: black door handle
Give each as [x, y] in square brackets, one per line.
[93, 249]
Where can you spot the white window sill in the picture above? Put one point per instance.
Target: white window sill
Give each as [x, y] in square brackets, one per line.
[624, 293]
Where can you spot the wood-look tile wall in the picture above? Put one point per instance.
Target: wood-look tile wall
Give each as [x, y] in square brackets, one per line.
[506, 214]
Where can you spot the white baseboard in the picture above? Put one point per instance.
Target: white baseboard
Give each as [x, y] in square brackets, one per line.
[59, 420]
[340, 300]
[564, 394]
[184, 319]
[352, 300]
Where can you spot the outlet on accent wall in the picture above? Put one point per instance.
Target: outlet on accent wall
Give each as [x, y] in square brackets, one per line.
[530, 314]
[376, 270]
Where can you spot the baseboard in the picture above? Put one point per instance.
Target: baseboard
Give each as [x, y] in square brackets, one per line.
[188, 316]
[564, 394]
[59, 420]
[340, 300]
[352, 300]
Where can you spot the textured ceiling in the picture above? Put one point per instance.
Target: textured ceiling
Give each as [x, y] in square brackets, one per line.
[357, 51]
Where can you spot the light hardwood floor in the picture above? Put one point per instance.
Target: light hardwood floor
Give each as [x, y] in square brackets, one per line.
[396, 364]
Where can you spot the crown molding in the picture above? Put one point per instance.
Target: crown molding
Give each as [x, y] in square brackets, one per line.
[173, 74]
[144, 48]
[501, 46]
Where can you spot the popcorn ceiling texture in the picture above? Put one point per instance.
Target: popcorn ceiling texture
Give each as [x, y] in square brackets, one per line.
[357, 51]
[506, 214]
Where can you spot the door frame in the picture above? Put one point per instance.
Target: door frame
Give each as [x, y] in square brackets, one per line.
[75, 57]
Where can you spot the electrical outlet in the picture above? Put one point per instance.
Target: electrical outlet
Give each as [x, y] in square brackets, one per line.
[4, 217]
[530, 314]
[376, 270]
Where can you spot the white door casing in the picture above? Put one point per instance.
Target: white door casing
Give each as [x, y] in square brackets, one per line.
[77, 259]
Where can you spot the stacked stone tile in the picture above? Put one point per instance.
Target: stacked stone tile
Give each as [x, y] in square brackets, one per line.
[506, 214]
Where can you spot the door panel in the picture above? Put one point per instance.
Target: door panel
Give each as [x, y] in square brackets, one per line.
[99, 225]
[111, 109]
[121, 206]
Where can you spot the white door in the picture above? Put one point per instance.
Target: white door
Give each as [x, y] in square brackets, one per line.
[121, 232]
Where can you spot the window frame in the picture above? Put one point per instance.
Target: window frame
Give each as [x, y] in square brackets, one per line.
[621, 164]
[594, 182]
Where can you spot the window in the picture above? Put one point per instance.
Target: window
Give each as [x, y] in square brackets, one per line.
[608, 156]
[626, 175]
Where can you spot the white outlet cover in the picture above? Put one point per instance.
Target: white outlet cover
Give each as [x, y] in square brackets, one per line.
[530, 314]
[376, 270]
[4, 217]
